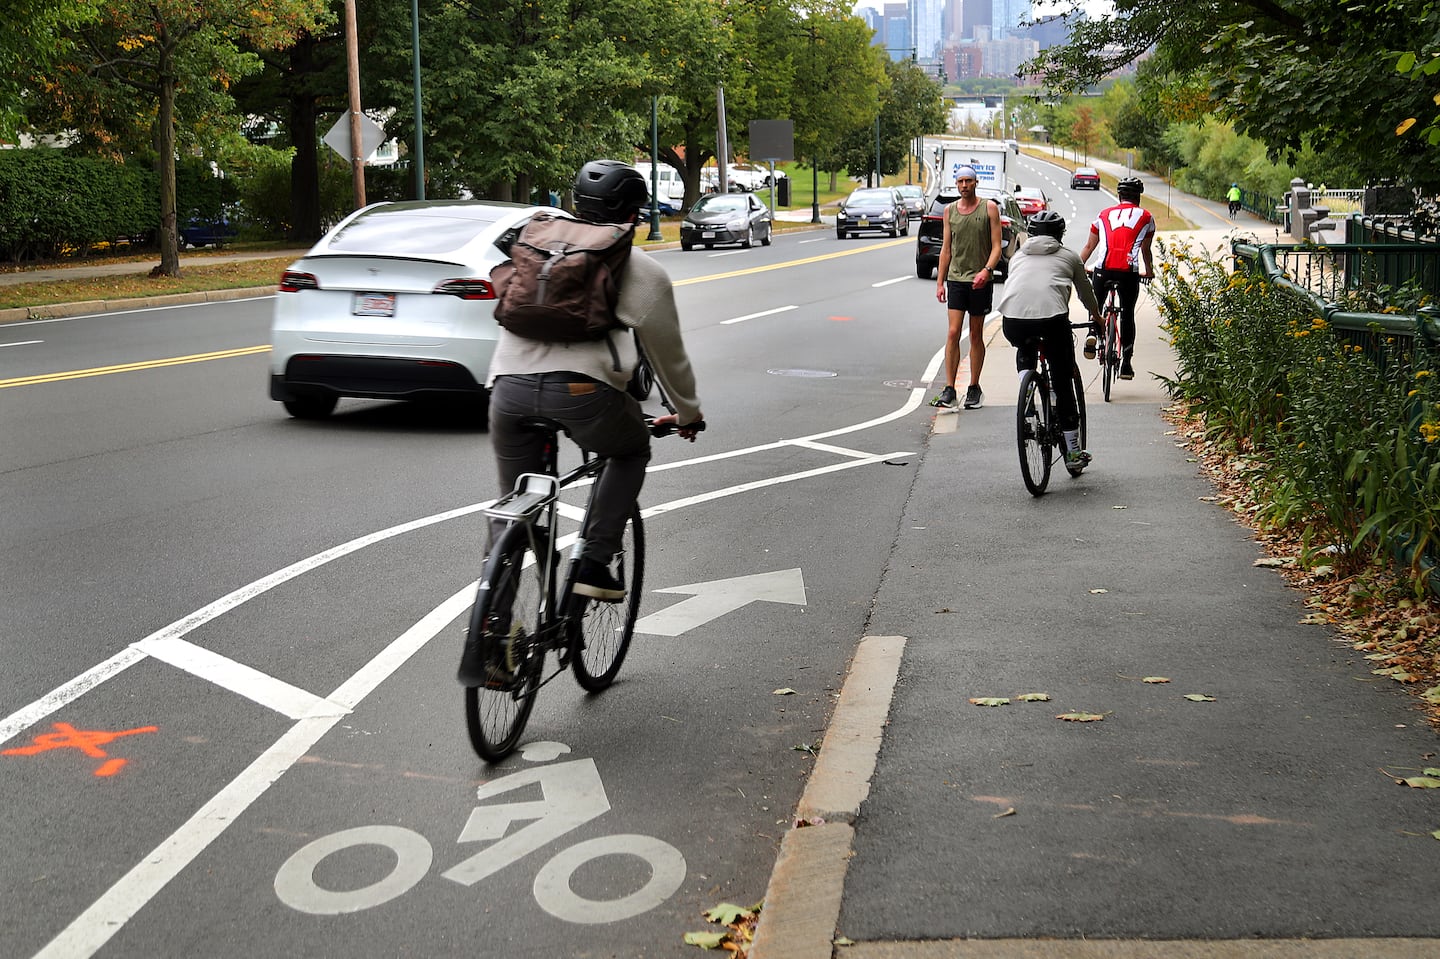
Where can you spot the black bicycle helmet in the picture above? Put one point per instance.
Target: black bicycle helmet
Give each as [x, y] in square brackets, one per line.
[608, 191]
[1047, 223]
[1130, 187]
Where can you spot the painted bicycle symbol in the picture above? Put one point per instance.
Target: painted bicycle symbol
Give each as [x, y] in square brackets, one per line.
[572, 795]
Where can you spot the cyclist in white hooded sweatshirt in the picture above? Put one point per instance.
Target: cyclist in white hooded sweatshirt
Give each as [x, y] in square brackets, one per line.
[1036, 302]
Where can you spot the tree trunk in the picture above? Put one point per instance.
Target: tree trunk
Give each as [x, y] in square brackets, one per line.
[165, 144]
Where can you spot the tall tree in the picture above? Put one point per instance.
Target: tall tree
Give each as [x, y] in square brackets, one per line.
[840, 75]
[1286, 74]
[163, 67]
[36, 32]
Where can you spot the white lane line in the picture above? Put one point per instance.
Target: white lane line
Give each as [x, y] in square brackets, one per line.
[756, 316]
[898, 279]
[290, 701]
[93, 928]
[27, 716]
[22, 343]
[827, 448]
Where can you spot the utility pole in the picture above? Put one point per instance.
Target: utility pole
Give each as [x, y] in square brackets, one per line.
[352, 59]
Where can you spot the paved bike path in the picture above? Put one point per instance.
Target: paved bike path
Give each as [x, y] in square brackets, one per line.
[1258, 821]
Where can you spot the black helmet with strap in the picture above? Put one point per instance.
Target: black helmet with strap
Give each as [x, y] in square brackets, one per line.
[1047, 223]
[608, 191]
[1129, 188]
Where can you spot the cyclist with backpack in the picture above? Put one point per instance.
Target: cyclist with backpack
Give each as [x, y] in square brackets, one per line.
[1036, 303]
[1123, 234]
[580, 379]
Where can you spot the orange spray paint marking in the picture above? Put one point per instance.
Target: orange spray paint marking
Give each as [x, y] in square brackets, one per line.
[88, 741]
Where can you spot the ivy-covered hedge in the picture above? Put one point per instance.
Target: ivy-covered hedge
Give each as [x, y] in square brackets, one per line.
[51, 202]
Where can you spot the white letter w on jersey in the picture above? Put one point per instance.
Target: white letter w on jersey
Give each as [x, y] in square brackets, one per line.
[1124, 217]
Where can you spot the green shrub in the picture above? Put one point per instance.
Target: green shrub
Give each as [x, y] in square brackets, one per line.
[52, 202]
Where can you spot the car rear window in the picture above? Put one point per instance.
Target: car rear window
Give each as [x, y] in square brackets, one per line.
[872, 196]
[413, 232]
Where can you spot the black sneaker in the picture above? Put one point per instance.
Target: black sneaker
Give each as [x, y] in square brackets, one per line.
[974, 398]
[1127, 372]
[946, 400]
[1090, 347]
[594, 579]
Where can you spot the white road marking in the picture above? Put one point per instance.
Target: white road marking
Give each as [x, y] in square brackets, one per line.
[227, 673]
[756, 316]
[93, 928]
[22, 343]
[898, 279]
[709, 601]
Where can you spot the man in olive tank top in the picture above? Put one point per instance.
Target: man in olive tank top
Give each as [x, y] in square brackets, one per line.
[968, 254]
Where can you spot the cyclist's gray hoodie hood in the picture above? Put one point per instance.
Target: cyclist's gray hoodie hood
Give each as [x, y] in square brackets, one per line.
[1038, 283]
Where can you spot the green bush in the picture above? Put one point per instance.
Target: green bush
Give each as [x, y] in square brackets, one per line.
[1343, 438]
[52, 203]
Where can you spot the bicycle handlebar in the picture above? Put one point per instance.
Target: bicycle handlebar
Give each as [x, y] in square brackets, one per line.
[665, 429]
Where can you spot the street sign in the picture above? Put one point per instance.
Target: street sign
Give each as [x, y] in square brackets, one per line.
[372, 135]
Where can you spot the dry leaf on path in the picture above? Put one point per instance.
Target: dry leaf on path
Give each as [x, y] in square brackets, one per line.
[990, 701]
[1081, 717]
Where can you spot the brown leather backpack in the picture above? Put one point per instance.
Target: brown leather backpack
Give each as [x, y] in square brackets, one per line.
[561, 283]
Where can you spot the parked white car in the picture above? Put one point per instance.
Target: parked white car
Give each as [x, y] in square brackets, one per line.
[395, 302]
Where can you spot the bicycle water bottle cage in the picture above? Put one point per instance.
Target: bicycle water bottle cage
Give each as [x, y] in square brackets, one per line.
[532, 493]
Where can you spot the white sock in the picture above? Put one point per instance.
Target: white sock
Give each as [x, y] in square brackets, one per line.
[1072, 439]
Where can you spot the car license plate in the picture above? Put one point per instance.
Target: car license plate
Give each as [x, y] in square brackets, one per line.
[374, 304]
[708, 235]
[862, 222]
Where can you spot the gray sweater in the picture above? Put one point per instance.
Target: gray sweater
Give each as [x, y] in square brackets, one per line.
[647, 306]
[1038, 284]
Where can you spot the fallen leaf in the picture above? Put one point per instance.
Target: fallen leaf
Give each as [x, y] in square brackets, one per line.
[1422, 782]
[1319, 571]
[1316, 619]
[1436, 834]
[1097, 592]
[1002, 815]
[1034, 697]
[1119, 507]
[1270, 561]
[990, 701]
[1199, 698]
[784, 691]
[1156, 679]
[1432, 695]
[1430, 772]
[1080, 717]
[727, 914]
[844, 941]
[706, 940]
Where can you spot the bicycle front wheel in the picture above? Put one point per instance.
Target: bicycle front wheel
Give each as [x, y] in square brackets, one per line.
[1033, 432]
[504, 654]
[1078, 385]
[601, 631]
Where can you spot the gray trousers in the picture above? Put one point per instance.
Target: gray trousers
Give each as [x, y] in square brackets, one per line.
[600, 418]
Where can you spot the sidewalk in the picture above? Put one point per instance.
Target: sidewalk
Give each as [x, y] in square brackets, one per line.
[1256, 822]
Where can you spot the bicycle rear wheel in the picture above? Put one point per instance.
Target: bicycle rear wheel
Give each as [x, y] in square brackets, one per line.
[1110, 360]
[601, 631]
[504, 654]
[1078, 385]
[1033, 432]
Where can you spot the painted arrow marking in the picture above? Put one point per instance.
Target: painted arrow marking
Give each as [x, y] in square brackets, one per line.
[716, 598]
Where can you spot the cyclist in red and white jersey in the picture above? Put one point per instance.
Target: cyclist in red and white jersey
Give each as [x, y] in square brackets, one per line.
[1122, 234]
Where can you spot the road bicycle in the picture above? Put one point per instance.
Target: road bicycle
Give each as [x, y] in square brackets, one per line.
[526, 606]
[1109, 353]
[1038, 435]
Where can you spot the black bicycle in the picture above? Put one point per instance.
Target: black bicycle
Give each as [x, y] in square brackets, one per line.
[1038, 435]
[526, 606]
[1109, 355]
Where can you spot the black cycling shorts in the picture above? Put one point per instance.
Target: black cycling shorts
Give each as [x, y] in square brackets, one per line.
[965, 298]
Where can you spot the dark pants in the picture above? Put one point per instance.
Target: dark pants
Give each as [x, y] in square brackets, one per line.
[1128, 283]
[601, 419]
[1059, 346]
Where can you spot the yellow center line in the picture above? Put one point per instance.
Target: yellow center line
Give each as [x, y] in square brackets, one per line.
[130, 367]
[246, 351]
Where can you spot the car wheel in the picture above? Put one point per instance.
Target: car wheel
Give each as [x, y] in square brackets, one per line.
[314, 406]
[687, 247]
[922, 270]
[905, 228]
[709, 246]
[749, 240]
[840, 234]
[765, 240]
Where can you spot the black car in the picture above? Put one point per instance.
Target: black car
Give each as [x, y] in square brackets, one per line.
[932, 232]
[873, 210]
[726, 218]
[1085, 178]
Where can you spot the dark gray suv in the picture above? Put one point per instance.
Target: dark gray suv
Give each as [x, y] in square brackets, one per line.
[932, 232]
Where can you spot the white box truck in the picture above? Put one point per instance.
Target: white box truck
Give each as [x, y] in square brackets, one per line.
[988, 157]
[671, 195]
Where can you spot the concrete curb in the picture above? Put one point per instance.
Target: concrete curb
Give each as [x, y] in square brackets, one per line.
[55, 311]
[802, 900]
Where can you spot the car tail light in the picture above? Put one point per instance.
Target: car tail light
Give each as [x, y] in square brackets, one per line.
[467, 289]
[292, 281]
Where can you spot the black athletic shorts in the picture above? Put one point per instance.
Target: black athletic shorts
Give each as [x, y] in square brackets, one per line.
[965, 298]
